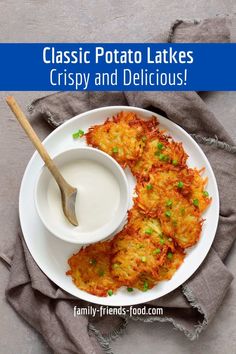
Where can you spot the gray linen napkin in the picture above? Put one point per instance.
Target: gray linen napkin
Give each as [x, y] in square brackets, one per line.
[189, 308]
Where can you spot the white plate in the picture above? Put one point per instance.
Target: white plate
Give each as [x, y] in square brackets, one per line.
[51, 254]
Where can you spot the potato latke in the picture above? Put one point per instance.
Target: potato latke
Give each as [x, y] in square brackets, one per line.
[134, 253]
[166, 216]
[123, 137]
[90, 269]
[160, 150]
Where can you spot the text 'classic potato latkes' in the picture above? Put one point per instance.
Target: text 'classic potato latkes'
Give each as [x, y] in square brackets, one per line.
[166, 216]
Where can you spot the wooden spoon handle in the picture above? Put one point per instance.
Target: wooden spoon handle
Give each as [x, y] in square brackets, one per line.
[20, 116]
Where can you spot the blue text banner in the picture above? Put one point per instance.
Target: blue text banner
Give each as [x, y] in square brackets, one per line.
[117, 67]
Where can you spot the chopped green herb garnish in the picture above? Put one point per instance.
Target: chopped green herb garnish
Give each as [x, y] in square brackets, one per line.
[115, 149]
[205, 193]
[169, 203]
[174, 222]
[144, 138]
[160, 146]
[144, 259]
[196, 202]
[180, 184]
[162, 242]
[115, 265]
[161, 157]
[182, 210]
[78, 134]
[130, 290]
[145, 286]
[92, 261]
[156, 251]
[157, 153]
[149, 187]
[166, 158]
[168, 213]
[169, 255]
[175, 162]
[149, 231]
[101, 273]
[110, 292]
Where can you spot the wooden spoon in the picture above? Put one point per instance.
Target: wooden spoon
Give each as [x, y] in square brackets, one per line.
[68, 193]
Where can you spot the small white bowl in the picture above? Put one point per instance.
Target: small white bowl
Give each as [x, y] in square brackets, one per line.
[48, 199]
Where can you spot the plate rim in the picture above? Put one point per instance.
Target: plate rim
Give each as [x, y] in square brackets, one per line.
[119, 108]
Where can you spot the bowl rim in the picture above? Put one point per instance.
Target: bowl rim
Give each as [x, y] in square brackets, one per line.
[117, 220]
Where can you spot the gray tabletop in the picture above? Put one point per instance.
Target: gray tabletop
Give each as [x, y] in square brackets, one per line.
[104, 20]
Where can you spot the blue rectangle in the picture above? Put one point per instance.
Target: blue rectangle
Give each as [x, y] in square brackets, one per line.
[117, 67]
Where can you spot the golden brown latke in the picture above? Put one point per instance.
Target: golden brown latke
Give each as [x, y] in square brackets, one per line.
[172, 262]
[133, 254]
[145, 282]
[147, 226]
[178, 218]
[159, 151]
[90, 269]
[168, 178]
[198, 195]
[123, 137]
[182, 221]
[185, 181]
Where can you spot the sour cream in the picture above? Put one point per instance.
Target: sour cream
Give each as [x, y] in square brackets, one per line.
[98, 195]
